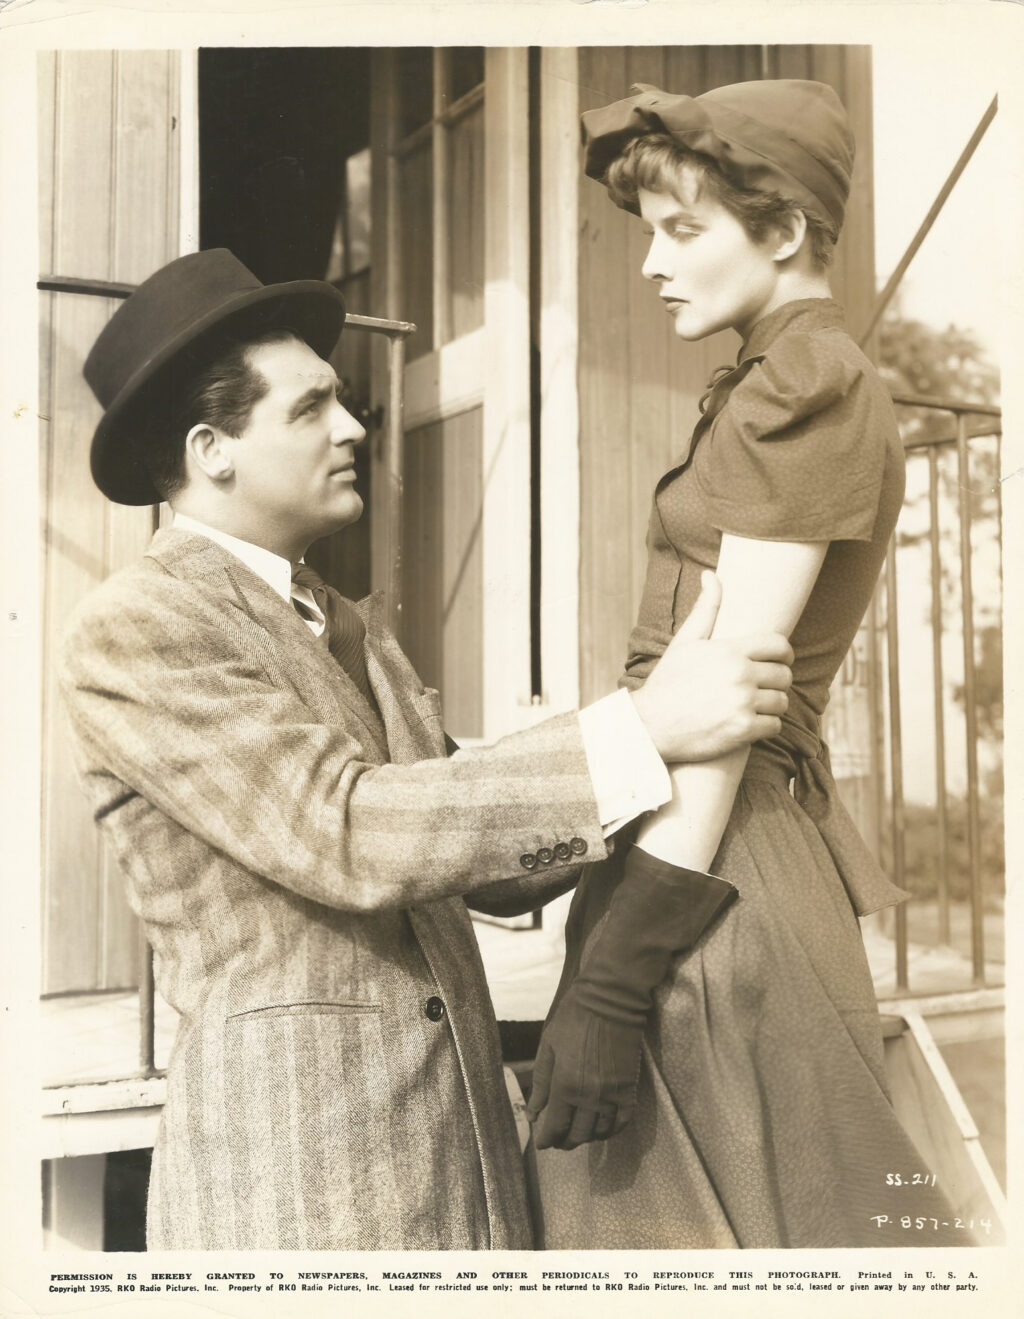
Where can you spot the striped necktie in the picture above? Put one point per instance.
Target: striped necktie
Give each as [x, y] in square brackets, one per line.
[343, 633]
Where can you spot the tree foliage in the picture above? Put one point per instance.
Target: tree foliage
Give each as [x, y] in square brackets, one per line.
[916, 358]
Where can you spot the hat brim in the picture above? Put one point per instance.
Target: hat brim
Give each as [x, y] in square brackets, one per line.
[313, 309]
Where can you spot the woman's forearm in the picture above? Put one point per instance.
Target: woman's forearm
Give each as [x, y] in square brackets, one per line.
[764, 584]
[688, 829]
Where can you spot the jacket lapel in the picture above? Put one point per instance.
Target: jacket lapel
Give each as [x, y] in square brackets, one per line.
[196, 558]
[411, 712]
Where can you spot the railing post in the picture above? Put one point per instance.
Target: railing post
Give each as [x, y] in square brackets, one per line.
[147, 1008]
[939, 702]
[970, 704]
[395, 468]
[896, 760]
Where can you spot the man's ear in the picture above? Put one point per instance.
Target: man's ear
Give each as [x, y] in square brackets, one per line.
[790, 235]
[206, 451]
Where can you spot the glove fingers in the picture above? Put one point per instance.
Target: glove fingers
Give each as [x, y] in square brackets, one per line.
[541, 1084]
[581, 1130]
[584, 1078]
[623, 1117]
[554, 1123]
[563, 1127]
[606, 1124]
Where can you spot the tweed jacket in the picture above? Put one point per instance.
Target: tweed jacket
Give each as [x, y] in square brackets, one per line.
[300, 866]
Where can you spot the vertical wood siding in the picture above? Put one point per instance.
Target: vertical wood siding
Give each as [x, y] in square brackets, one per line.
[639, 384]
[108, 179]
[443, 597]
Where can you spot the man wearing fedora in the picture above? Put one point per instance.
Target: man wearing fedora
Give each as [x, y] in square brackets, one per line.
[299, 843]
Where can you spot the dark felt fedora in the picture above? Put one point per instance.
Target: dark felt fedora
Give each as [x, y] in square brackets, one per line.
[174, 323]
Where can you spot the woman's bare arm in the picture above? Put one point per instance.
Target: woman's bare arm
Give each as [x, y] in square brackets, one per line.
[765, 586]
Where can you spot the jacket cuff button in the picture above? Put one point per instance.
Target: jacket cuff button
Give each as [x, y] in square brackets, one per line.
[528, 861]
[434, 1008]
[579, 846]
[563, 851]
[545, 855]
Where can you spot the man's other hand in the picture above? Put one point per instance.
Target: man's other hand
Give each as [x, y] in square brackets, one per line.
[705, 698]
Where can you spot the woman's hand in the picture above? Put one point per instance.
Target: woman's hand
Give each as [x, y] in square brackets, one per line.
[588, 1062]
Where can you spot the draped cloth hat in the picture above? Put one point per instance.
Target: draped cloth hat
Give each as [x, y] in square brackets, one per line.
[174, 324]
[782, 135]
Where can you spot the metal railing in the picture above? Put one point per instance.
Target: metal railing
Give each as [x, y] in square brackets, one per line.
[971, 421]
[965, 430]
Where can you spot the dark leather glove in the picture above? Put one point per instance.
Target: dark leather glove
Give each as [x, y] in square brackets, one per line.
[588, 1061]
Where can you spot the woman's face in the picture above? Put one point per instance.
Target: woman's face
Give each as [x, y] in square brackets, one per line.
[710, 272]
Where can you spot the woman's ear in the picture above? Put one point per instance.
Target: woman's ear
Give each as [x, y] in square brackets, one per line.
[790, 235]
[205, 451]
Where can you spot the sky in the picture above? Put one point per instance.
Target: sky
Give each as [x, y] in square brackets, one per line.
[925, 112]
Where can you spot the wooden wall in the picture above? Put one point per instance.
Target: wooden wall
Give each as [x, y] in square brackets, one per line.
[108, 177]
[443, 593]
[638, 383]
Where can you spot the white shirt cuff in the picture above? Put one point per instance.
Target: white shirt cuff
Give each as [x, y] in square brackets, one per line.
[628, 775]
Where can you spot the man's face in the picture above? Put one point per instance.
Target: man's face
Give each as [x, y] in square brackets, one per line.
[294, 463]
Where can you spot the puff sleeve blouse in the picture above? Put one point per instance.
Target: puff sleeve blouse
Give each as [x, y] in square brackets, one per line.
[794, 456]
[798, 442]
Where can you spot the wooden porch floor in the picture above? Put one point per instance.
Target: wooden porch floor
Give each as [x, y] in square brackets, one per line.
[94, 1037]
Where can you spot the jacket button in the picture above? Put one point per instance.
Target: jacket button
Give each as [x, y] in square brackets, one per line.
[434, 1008]
[545, 855]
[563, 851]
[579, 846]
[528, 861]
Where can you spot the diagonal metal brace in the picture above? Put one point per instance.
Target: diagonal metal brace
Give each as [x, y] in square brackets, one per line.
[886, 295]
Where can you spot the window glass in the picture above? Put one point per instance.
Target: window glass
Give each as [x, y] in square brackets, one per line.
[415, 88]
[350, 245]
[416, 226]
[467, 69]
[465, 284]
[357, 211]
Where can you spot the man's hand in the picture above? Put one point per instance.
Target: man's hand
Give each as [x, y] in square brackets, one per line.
[705, 698]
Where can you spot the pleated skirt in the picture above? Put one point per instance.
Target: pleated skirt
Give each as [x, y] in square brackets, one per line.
[764, 1119]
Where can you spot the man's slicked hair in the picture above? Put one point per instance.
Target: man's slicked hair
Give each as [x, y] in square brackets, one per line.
[221, 393]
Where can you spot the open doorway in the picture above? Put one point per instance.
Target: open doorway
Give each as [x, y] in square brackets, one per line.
[284, 182]
[402, 176]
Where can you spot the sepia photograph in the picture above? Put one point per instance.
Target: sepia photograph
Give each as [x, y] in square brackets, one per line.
[517, 603]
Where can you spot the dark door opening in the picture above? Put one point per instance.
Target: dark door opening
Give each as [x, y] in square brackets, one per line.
[284, 182]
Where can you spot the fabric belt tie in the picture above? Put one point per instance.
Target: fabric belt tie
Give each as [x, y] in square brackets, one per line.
[815, 790]
[804, 758]
[344, 631]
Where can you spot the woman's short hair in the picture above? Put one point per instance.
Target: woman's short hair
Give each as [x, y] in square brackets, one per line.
[222, 393]
[656, 162]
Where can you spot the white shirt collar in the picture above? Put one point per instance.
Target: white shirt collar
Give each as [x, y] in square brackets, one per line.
[275, 571]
